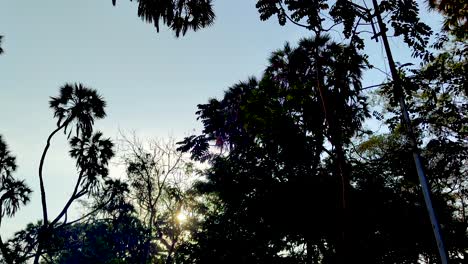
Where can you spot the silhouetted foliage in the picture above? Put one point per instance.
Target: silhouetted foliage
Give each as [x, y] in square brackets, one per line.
[276, 197]
[112, 235]
[323, 16]
[292, 170]
[1, 39]
[13, 193]
[77, 106]
[455, 14]
[274, 185]
[438, 100]
[160, 179]
[108, 232]
[102, 241]
[179, 15]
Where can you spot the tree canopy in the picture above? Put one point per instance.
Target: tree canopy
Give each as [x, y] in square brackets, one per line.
[292, 174]
[180, 16]
[275, 182]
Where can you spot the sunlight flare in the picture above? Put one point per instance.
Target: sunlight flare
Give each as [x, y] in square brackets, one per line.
[182, 217]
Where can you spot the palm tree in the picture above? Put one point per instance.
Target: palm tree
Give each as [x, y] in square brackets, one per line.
[455, 14]
[179, 16]
[80, 105]
[334, 73]
[76, 108]
[13, 193]
[92, 156]
[76, 105]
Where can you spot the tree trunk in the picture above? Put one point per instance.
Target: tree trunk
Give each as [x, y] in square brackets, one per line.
[5, 253]
[334, 134]
[43, 193]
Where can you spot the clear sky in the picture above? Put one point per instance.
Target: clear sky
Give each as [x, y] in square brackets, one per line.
[151, 81]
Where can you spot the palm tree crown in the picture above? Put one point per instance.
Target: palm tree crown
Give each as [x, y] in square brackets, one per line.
[92, 156]
[78, 104]
[13, 193]
[180, 15]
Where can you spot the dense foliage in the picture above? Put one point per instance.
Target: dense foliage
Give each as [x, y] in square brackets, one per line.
[277, 187]
[180, 15]
[291, 175]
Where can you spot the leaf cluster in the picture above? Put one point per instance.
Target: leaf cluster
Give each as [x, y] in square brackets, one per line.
[179, 15]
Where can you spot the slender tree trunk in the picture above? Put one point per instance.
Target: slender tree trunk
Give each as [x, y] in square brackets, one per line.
[334, 133]
[73, 197]
[149, 238]
[345, 239]
[41, 178]
[151, 207]
[43, 193]
[170, 252]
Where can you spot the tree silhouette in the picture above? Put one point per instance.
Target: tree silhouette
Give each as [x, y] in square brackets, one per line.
[76, 104]
[13, 192]
[180, 15]
[271, 191]
[112, 234]
[160, 178]
[455, 13]
[80, 105]
[272, 134]
[76, 109]
[278, 148]
[403, 16]
[108, 232]
[438, 98]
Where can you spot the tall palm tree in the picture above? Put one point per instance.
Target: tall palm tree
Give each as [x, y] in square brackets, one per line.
[76, 105]
[76, 108]
[13, 193]
[334, 73]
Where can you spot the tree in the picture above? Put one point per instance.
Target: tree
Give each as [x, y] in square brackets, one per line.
[104, 241]
[13, 193]
[438, 99]
[180, 16]
[455, 13]
[266, 144]
[112, 234]
[404, 19]
[160, 179]
[405, 22]
[76, 109]
[274, 133]
[108, 232]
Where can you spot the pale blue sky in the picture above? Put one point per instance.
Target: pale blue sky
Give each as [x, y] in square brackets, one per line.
[152, 82]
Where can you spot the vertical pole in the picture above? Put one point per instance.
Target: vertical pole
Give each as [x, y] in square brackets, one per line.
[398, 93]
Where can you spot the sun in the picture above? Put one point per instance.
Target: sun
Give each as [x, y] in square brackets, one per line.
[181, 217]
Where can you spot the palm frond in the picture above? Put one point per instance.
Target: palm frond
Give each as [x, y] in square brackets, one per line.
[79, 105]
[178, 15]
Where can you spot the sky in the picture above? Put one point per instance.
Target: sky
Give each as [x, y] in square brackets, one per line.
[152, 82]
